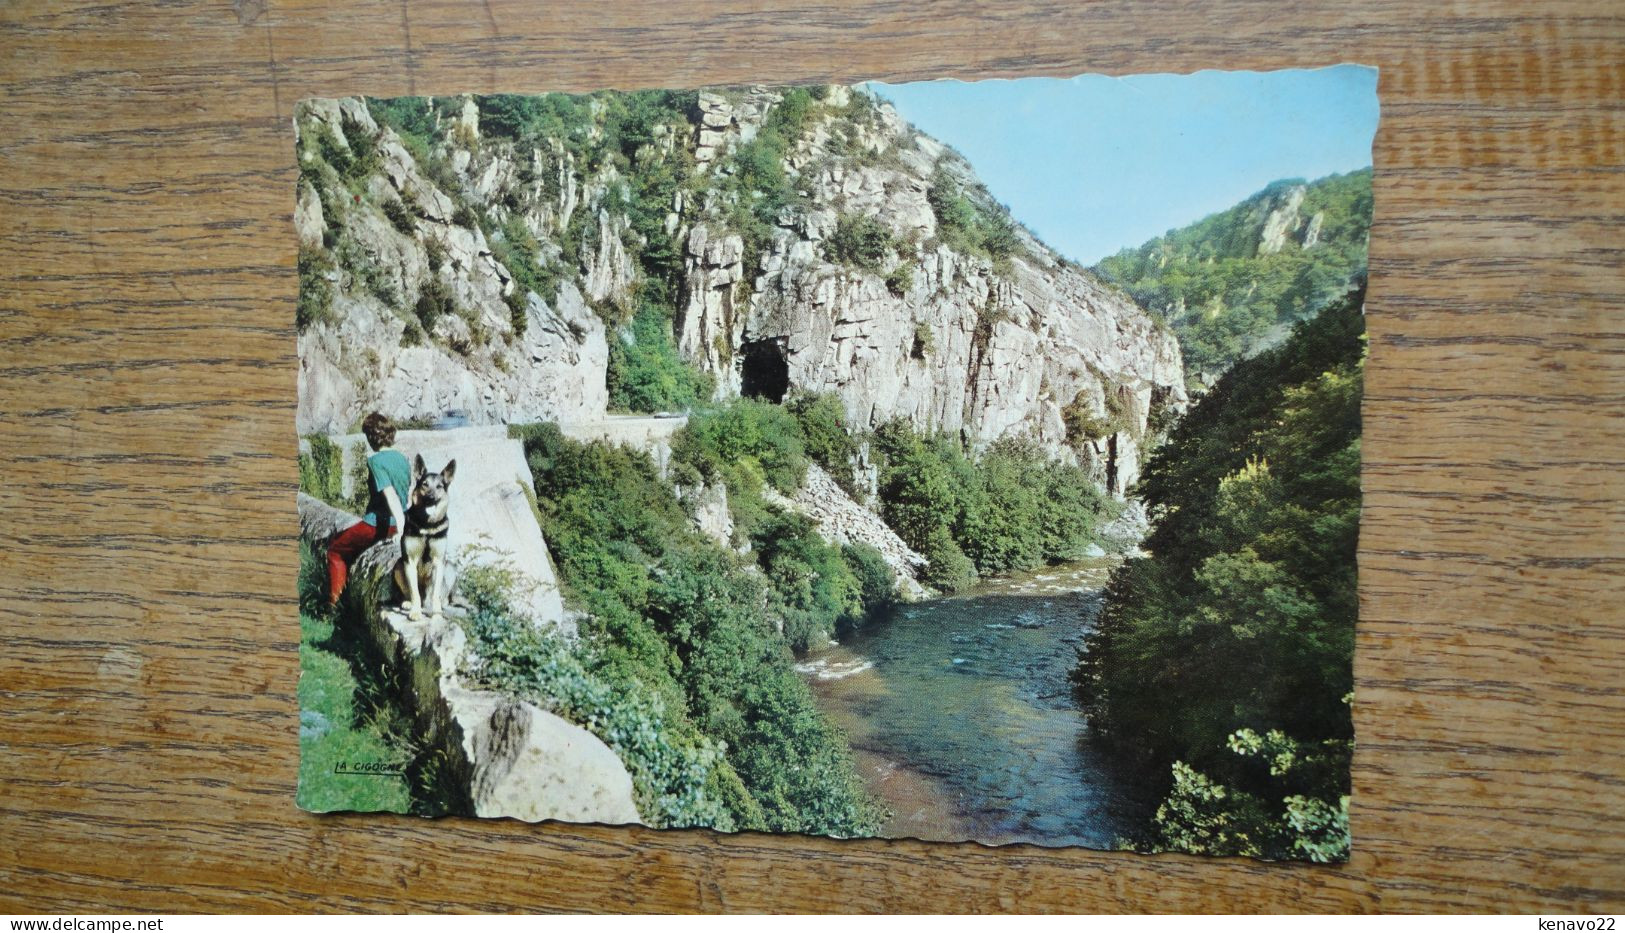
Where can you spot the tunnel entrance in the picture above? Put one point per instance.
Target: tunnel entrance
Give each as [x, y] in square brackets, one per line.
[764, 372]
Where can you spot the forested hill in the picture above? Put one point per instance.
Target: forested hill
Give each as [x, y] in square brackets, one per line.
[1233, 283]
[1224, 660]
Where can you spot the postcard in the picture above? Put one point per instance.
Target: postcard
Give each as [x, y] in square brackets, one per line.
[962, 461]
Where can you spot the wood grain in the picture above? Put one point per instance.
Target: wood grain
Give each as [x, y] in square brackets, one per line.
[147, 713]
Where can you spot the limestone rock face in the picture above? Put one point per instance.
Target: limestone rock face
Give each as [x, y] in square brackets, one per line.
[536, 766]
[1054, 340]
[387, 344]
[609, 274]
[468, 122]
[551, 373]
[492, 524]
[307, 217]
[1311, 233]
[722, 121]
[708, 508]
[955, 342]
[714, 267]
[950, 335]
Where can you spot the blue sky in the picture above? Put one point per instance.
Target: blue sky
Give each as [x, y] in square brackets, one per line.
[1093, 164]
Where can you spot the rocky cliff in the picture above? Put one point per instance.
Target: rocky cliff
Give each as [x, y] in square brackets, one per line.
[404, 307]
[952, 336]
[492, 255]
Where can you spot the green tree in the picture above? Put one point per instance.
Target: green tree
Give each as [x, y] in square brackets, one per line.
[976, 226]
[646, 373]
[683, 617]
[1241, 622]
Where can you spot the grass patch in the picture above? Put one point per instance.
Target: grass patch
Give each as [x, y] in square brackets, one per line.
[647, 373]
[350, 713]
[315, 292]
[337, 728]
[321, 474]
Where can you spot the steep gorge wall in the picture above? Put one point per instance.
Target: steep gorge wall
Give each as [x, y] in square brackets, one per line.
[543, 361]
[961, 343]
[494, 521]
[1023, 345]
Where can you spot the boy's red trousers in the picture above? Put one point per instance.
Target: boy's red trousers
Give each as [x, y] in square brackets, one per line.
[342, 551]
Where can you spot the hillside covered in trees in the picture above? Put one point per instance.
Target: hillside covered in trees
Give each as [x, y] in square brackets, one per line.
[1223, 661]
[1235, 282]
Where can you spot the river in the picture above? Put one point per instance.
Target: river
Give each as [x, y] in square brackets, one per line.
[962, 719]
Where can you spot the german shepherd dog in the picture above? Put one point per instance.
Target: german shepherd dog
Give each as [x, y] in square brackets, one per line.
[423, 542]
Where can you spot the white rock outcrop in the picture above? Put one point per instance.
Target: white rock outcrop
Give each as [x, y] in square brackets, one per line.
[708, 509]
[374, 350]
[1311, 233]
[840, 520]
[709, 328]
[1279, 214]
[1281, 220]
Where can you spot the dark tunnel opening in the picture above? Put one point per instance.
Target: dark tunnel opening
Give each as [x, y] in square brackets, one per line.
[764, 373]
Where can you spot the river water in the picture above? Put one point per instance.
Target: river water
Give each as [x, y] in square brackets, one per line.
[962, 719]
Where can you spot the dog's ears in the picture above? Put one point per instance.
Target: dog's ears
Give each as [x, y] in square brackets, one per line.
[448, 472]
[418, 467]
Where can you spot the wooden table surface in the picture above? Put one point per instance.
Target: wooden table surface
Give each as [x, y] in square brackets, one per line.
[148, 741]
